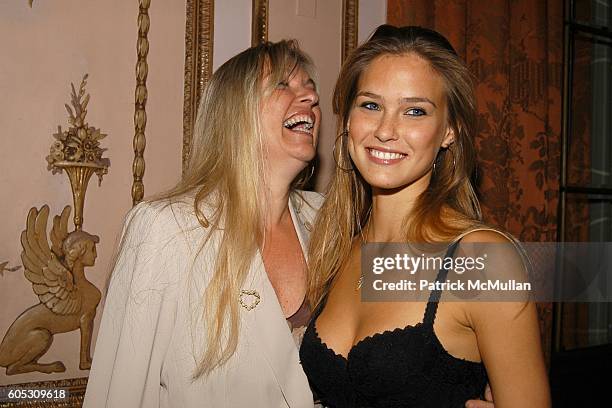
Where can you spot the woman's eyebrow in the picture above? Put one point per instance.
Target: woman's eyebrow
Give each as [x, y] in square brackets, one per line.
[310, 82]
[369, 94]
[413, 99]
[408, 99]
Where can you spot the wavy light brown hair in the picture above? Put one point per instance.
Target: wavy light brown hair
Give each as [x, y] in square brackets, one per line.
[225, 173]
[448, 207]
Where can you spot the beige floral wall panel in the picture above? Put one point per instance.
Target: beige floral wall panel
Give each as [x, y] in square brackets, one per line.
[45, 48]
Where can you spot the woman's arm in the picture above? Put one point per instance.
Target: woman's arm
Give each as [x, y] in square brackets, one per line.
[137, 320]
[508, 335]
[509, 344]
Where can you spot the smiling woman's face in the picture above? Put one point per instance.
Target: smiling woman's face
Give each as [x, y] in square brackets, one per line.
[290, 117]
[398, 122]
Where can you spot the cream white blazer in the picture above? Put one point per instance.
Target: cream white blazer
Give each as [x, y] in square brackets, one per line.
[151, 332]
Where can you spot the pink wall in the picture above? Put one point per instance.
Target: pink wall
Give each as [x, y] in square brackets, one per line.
[232, 29]
[372, 13]
[43, 50]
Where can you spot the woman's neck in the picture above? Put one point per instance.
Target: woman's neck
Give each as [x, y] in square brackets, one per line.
[276, 208]
[277, 186]
[390, 207]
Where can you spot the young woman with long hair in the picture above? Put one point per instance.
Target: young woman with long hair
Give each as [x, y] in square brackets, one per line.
[210, 274]
[405, 153]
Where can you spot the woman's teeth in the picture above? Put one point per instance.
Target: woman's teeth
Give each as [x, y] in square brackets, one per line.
[301, 123]
[385, 155]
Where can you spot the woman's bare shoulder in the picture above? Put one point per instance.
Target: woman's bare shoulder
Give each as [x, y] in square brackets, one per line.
[487, 234]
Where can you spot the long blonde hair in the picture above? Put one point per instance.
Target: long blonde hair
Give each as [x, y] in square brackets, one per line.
[225, 172]
[449, 205]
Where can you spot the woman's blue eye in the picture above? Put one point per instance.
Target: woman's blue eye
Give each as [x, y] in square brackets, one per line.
[370, 106]
[416, 112]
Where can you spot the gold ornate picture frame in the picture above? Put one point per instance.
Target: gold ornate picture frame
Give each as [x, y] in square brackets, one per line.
[350, 24]
[199, 35]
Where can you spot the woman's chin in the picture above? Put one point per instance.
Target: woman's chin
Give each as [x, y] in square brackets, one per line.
[384, 182]
[290, 162]
[305, 153]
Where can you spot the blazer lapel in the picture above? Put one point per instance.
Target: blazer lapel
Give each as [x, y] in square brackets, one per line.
[302, 226]
[267, 326]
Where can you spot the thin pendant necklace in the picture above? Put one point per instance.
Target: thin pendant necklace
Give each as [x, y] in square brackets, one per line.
[364, 240]
[359, 283]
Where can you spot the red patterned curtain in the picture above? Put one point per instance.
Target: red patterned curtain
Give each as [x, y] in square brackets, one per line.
[514, 50]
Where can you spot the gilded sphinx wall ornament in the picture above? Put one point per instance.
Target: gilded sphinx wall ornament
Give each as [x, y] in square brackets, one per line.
[77, 151]
[68, 301]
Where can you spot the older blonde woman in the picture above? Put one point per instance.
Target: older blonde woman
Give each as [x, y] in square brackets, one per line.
[210, 275]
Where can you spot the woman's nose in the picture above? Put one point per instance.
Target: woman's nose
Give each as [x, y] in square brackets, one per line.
[309, 96]
[386, 129]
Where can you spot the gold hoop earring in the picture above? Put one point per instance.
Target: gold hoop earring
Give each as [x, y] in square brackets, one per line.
[454, 162]
[452, 154]
[340, 154]
[312, 169]
[448, 149]
[305, 176]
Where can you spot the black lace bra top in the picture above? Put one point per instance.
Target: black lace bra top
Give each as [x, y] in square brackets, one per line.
[405, 367]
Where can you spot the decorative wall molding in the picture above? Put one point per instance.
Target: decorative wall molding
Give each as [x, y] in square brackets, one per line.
[350, 24]
[140, 115]
[199, 36]
[259, 25]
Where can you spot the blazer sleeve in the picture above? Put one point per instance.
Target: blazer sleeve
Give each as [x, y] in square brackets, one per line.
[138, 316]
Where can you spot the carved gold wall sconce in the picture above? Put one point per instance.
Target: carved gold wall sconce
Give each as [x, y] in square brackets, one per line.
[77, 151]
